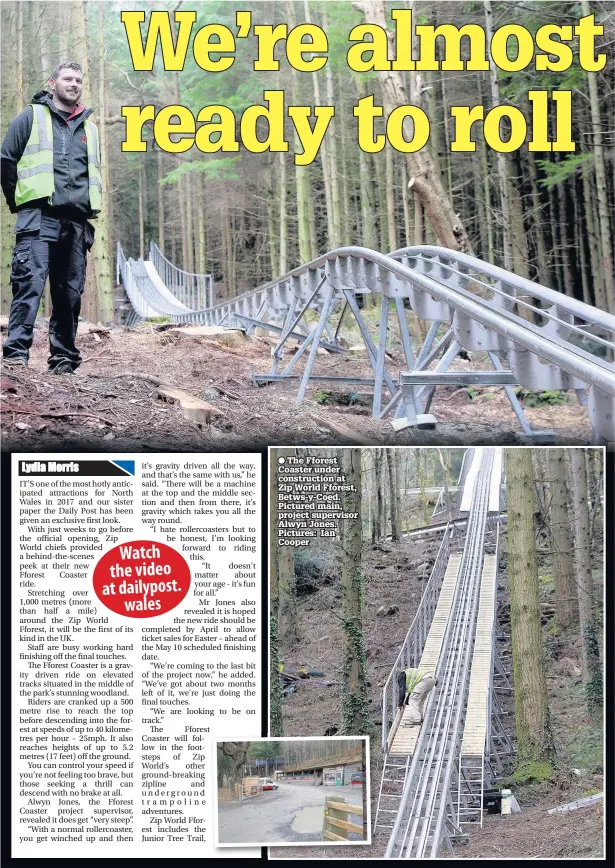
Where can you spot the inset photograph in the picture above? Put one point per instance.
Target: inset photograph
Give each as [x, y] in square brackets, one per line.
[289, 791]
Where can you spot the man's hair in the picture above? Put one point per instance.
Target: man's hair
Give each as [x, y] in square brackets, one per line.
[66, 64]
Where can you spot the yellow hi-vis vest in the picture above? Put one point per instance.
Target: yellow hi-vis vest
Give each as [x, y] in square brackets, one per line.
[413, 677]
[35, 168]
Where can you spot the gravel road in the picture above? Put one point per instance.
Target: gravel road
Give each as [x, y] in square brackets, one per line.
[292, 813]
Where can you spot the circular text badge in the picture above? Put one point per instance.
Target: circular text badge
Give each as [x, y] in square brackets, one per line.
[141, 579]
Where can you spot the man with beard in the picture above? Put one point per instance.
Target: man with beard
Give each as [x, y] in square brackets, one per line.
[51, 178]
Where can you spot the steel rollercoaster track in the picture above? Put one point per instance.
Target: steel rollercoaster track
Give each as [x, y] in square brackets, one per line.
[532, 336]
[429, 791]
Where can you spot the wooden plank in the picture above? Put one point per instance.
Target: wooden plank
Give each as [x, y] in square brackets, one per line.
[344, 824]
[342, 806]
[337, 813]
[331, 836]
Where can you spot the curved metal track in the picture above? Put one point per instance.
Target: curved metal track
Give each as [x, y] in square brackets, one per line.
[549, 341]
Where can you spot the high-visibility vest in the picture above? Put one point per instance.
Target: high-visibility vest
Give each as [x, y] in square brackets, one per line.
[413, 677]
[35, 168]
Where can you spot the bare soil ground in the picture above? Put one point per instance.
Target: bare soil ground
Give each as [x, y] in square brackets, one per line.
[107, 406]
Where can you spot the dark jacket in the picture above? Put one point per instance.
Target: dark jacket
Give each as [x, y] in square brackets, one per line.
[70, 163]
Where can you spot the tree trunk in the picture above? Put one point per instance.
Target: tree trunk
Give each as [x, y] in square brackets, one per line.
[541, 248]
[393, 486]
[189, 261]
[406, 204]
[301, 176]
[378, 530]
[447, 496]
[283, 228]
[421, 473]
[8, 104]
[324, 155]
[346, 221]
[101, 300]
[589, 631]
[181, 201]
[534, 738]
[141, 219]
[424, 178]
[382, 487]
[390, 200]
[566, 604]
[288, 596]
[521, 254]
[271, 227]
[19, 84]
[336, 202]
[201, 237]
[502, 160]
[601, 183]
[160, 168]
[238, 752]
[355, 719]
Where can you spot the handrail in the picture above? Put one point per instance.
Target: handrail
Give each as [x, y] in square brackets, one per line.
[192, 289]
[412, 646]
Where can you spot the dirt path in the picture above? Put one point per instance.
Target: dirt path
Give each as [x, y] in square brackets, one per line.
[292, 813]
[105, 407]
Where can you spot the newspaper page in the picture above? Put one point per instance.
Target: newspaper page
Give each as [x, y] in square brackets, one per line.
[136, 610]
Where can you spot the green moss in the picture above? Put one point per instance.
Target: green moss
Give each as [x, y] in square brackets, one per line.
[355, 707]
[585, 749]
[545, 398]
[532, 772]
[155, 319]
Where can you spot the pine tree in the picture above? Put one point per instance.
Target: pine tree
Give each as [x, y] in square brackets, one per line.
[355, 708]
[534, 737]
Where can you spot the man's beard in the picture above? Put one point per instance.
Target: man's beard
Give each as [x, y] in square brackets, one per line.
[69, 97]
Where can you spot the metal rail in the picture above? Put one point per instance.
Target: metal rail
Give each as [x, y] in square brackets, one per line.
[426, 816]
[549, 340]
[414, 641]
[196, 291]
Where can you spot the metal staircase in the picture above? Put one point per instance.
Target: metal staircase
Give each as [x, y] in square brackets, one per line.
[532, 335]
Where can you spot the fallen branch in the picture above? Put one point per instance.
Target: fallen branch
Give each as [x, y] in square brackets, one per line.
[340, 430]
[149, 378]
[60, 415]
[224, 391]
[96, 355]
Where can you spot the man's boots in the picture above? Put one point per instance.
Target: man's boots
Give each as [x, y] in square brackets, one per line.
[418, 698]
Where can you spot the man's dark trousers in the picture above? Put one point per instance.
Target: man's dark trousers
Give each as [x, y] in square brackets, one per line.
[62, 256]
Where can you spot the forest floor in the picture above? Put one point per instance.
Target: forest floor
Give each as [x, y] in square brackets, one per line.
[111, 405]
[394, 575]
